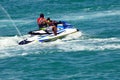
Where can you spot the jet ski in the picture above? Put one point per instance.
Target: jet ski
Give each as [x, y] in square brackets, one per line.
[63, 29]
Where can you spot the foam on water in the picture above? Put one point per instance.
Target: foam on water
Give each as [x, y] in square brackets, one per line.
[85, 47]
[8, 41]
[16, 21]
[9, 47]
[89, 15]
[4, 23]
[95, 44]
[75, 42]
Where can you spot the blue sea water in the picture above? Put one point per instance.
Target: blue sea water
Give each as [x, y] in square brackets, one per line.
[93, 56]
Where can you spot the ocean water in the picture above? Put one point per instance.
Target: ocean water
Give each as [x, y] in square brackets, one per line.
[93, 56]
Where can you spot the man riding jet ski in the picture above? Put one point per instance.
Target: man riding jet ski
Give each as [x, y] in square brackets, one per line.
[49, 31]
[47, 24]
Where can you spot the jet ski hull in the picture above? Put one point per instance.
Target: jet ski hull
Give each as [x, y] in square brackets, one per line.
[42, 36]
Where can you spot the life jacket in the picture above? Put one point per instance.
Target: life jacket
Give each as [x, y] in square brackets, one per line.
[41, 20]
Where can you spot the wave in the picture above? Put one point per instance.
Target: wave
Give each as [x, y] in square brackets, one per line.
[19, 21]
[89, 15]
[8, 41]
[95, 44]
[4, 22]
[75, 42]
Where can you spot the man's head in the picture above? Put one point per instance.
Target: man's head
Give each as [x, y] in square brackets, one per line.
[42, 15]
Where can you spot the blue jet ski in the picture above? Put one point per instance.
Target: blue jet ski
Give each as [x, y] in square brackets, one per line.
[63, 29]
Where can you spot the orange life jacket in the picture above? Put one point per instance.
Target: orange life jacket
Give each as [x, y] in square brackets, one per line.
[41, 20]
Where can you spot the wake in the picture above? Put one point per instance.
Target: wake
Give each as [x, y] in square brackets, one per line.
[8, 41]
[94, 44]
[89, 15]
[6, 23]
[75, 42]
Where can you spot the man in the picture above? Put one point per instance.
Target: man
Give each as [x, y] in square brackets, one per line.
[42, 23]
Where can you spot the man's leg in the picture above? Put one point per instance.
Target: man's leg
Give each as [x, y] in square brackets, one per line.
[54, 28]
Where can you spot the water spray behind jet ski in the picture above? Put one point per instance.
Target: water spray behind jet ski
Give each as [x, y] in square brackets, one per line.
[8, 15]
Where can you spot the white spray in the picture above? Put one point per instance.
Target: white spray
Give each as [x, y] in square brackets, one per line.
[11, 20]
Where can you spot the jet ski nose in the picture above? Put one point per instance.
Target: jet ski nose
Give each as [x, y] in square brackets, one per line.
[24, 42]
[77, 29]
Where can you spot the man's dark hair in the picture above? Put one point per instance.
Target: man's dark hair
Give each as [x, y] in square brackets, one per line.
[41, 15]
